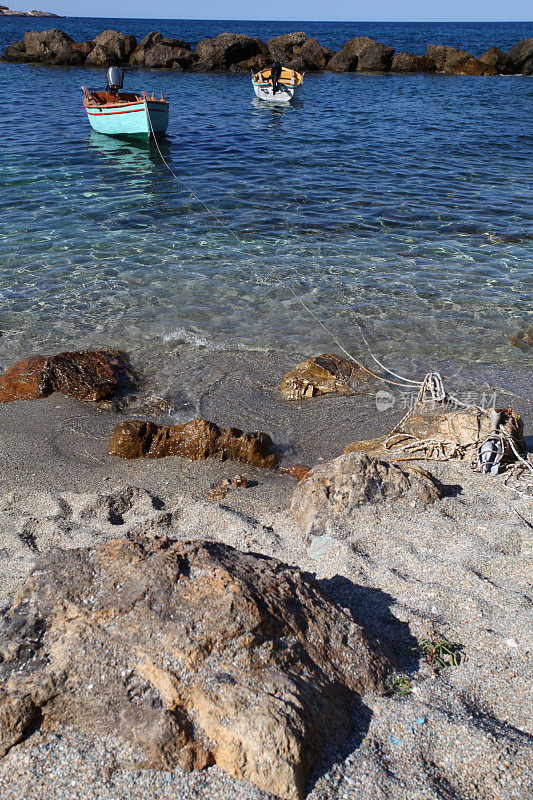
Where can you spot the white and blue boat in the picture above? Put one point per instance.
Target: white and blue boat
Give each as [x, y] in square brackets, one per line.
[125, 114]
[277, 84]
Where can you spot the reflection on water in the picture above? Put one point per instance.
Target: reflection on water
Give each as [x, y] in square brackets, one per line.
[129, 152]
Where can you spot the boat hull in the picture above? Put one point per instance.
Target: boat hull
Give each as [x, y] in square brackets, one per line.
[129, 119]
[264, 92]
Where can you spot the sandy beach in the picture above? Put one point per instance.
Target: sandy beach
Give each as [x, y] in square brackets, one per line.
[460, 567]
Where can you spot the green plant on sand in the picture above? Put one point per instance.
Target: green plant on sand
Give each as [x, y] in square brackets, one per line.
[398, 686]
[439, 652]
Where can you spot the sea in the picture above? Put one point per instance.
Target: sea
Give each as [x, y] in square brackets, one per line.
[390, 215]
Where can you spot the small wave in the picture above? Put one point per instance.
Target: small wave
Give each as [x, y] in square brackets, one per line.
[197, 340]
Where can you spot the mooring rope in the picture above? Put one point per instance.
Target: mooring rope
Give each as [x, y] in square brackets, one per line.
[406, 384]
[432, 383]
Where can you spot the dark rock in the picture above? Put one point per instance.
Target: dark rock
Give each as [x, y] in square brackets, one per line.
[287, 47]
[205, 655]
[323, 375]
[469, 66]
[313, 56]
[336, 490]
[16, 52]
[100, 57]
[445, 56]
[498, 59]
[161, 56]
[195, 440]
[521, 52]
[407, 62]
[88, 375]
[253, 64]
[175, 43]
[219, 53]
[26, 380]
[527, 67]
[84, 48]
[46, 45]
[375, 57]
[362, 54]
[118, 45]
[347, 57]
[150, 40]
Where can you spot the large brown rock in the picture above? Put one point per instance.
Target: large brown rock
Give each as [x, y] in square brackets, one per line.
[347, 57]
[469, 66]
[338, 489]
[149, 41]
[443, 55]
[162, 55]
[499, 60]
[197, 439]
[364, 54]
[219, 53]
[119, 45]
[100, 57]
[323, 375]
[196, 652]
[521, 52]
[26, 380]
[407, 62]
[89, 375]
[286, 47]
[312, 57]
[16, 52]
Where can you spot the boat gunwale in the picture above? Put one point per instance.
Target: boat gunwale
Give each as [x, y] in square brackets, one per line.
[140, 102]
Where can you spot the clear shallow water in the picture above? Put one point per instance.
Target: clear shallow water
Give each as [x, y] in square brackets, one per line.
[401, 204]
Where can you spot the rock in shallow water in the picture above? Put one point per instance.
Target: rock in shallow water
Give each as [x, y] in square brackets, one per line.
[197, 652]
[323, 375]
[196, 439]
[88, 375]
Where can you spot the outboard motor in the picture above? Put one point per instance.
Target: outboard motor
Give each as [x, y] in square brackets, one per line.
[275, 75]
[115, 80]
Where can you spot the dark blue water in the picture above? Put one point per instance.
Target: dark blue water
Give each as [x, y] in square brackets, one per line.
[401, 205]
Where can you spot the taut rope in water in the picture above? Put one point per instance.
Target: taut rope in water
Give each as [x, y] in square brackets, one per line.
[432, 384]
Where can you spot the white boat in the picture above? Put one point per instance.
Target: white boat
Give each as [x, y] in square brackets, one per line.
[280, 90]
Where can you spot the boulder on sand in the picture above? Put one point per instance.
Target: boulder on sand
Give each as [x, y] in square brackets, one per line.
[88, 375]
[197, 439]
[323, 375]
[219, 53]
[338, 489]
[204, 655]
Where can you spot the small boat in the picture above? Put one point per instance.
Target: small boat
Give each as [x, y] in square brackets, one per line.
[276, 84]
[124, 114]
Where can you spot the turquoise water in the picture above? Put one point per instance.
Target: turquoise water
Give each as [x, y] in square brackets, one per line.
[401, 205]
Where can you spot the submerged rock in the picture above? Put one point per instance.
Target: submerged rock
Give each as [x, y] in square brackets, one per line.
[197, 439]
[323, 375]
[88, 375]
[195, 651]
[341, 487]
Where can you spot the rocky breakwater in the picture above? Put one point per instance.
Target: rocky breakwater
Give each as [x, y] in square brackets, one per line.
[236, 52]
[205, 655]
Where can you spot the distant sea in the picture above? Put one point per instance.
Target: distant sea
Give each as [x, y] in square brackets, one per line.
[397, 205]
